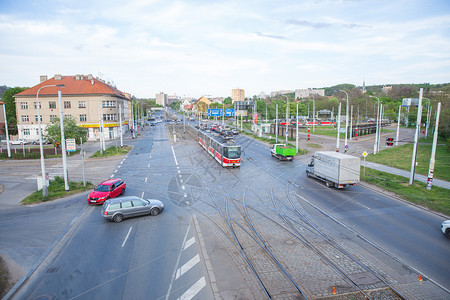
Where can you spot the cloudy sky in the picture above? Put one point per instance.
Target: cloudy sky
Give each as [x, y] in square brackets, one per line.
[195, 48]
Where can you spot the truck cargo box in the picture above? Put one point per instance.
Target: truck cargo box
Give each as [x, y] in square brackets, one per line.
[285, 151]
[338, 168]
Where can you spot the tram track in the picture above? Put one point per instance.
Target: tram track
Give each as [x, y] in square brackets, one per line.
[237, 225]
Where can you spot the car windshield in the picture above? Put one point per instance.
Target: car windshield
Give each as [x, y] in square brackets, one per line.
[102, 188]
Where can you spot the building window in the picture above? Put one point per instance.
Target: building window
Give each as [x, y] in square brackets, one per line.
[109, 103]
[37, 131]
[53, 118]
[66, 104]
[25, 119]
[109, 117]
[26, 131]
[82, 118]
[52, 104]
[37, 118]
[81, 104]
[35, 105]
[23, 105]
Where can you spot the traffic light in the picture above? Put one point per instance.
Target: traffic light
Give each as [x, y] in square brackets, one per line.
[389, 141]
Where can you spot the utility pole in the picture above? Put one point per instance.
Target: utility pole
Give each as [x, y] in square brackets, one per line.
[63, 142]
[338, 127]
[433, 150]
[120, 128]
[296, 131]
[276, 124]
[416, 137]
[398, 125]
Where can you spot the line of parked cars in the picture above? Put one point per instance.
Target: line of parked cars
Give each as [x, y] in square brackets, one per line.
[121, 208]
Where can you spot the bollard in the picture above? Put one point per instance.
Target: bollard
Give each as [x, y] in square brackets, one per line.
[356, 133]
[420, 277]
[334, 290]
[308, 135]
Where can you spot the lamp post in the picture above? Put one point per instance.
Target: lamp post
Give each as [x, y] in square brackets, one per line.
[346, 122]
[287, 122]
[428, 117]
[375, 145]
[8, 147]
[41, 148]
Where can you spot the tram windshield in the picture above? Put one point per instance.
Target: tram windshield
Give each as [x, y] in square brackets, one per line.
[231, 152]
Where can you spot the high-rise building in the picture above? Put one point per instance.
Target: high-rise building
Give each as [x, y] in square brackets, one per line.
[161, 99]
[237, 95]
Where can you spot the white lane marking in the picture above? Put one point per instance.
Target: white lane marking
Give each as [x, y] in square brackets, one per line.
[178, 261]
[180, 176]
[179, 171]
[189, 243]
[183, 187]
[148, 166]
[187, 266]
[121, 162]
[126, 238]
[112, 176]
[115, 171]
[193, 290]
[142, 195]
[174, 156]
[146, 179]
[181, 180]
[118, 166]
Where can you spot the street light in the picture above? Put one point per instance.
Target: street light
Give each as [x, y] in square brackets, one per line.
[287, 126]
[375, 145]
[346, 122]
[428, 117]
[8, 147]
[41, 148]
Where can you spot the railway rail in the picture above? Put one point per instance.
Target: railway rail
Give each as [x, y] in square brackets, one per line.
[324, 267]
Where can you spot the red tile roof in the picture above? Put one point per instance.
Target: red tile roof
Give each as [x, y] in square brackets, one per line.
[74, 85]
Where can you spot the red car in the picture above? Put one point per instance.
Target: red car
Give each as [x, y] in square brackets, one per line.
[107, 189]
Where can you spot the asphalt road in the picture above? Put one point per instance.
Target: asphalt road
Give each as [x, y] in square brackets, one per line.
[164, 257]
[134, 259]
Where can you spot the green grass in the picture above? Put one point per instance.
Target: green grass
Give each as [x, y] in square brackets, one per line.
[400, 157]
[56, 190]
[436, 199]
[111, 151]
[271, 140]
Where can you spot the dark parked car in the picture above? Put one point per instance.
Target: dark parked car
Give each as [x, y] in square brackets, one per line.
[107, 189]
[132, 206]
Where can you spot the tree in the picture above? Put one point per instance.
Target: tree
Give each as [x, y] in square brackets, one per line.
[227, 100]
[71, 131]
[8, 98]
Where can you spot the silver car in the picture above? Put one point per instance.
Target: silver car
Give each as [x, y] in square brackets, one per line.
[120, 208]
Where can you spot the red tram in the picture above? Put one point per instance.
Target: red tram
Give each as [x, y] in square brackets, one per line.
[227, 155]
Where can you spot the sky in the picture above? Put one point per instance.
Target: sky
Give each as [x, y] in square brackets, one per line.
[194, 48]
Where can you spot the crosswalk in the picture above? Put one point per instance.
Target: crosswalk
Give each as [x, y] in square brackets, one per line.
[189, 254]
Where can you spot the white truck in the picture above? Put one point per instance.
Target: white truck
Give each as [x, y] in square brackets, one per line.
[334, 168]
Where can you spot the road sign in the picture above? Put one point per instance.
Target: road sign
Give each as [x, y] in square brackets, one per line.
[215, 112]
[70, 145]
[229, 112]
[364, 153]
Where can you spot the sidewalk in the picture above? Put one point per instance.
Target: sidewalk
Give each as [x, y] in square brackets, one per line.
[407, 174]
